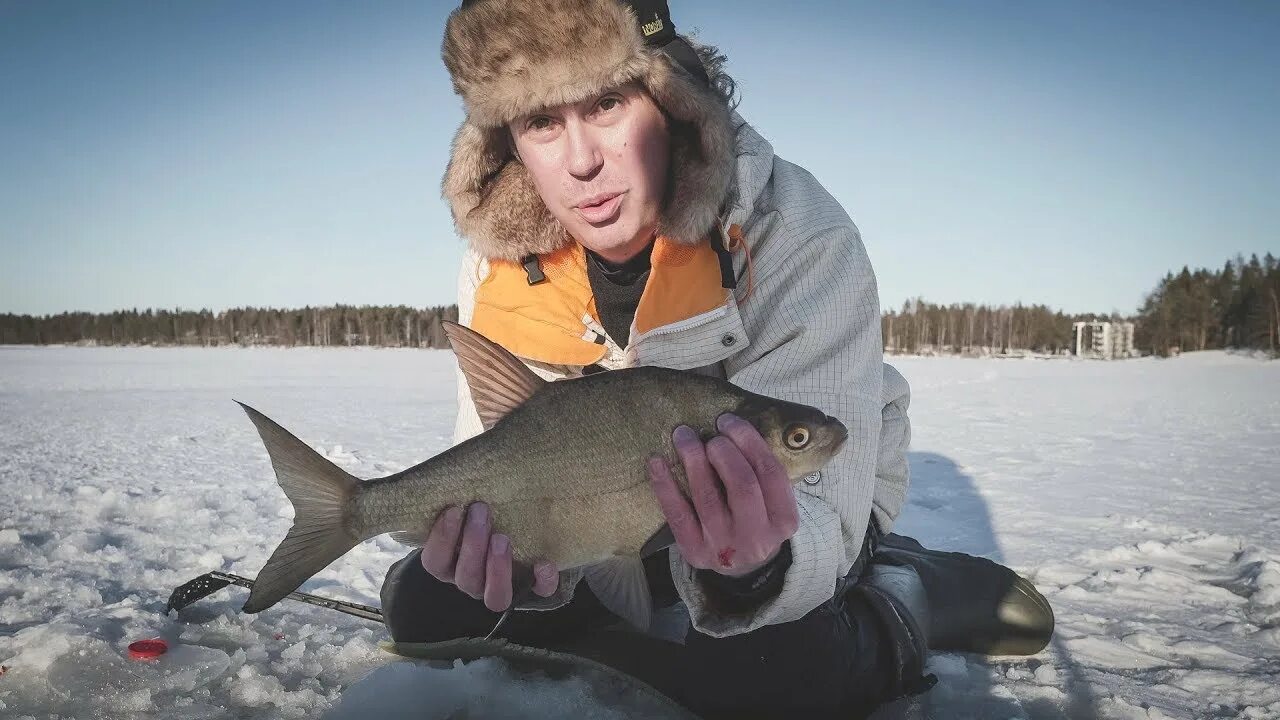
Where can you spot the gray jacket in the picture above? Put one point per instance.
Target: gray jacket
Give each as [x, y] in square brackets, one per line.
[807, 330]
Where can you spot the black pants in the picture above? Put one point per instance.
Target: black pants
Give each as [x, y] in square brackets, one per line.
[836, 661]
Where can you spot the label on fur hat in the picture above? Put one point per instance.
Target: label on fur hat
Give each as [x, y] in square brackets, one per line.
[655, 21]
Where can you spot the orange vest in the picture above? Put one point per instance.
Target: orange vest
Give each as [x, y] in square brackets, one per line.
[547, 321]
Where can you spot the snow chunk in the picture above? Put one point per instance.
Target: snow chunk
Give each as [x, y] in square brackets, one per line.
[253, 689]
[1046, 675]
[294, 652]
[39, 647]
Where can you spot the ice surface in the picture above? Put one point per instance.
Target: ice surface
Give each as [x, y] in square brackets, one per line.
[489, 688]
[1140, 496]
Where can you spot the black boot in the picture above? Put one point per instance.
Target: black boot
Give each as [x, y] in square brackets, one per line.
[897, 601]
[974, 605]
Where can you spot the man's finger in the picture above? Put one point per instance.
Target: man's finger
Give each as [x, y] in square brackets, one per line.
[704, 486]
[546, 579]
[775, 484]
[741, 487]
[497, 582]
[440, 552]
[684, 524]
[470, 571]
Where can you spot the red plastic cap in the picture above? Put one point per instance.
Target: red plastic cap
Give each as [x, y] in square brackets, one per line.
[148, 649]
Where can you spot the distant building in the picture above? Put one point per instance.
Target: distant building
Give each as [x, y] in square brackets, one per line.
[1103, 340]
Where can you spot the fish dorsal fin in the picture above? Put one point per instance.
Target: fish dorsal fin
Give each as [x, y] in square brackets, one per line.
[621, 585]
[499, 382]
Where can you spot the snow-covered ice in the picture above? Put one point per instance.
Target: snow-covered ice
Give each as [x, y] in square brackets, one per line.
[1140, 496]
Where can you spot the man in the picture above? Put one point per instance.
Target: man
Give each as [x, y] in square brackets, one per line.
[619, 213]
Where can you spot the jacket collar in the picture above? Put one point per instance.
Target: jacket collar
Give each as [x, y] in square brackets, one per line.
[753, 170]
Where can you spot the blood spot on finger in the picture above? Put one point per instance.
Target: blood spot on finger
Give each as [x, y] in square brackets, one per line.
[726, 557]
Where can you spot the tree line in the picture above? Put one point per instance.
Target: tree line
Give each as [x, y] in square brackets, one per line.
[919, 327]
[341, 325]
[969, 329]
[1235, 307]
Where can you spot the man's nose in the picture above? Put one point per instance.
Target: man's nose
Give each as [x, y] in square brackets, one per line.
[584, 156]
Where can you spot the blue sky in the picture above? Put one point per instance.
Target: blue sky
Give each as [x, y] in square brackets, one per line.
[289, 153]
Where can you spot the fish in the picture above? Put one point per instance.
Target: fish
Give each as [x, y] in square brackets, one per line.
[561, 464]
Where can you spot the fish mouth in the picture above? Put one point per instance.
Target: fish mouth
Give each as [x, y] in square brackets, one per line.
[841, 434]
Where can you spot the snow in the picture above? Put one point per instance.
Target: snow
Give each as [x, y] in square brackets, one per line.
[1141, 496]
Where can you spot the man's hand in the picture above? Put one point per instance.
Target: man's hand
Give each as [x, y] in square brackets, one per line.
[475, 559]
[743, 506]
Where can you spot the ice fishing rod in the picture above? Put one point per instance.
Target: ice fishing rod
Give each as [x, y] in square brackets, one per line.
[211, 582]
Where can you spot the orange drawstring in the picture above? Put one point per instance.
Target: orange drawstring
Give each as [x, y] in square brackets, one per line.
[736, 241]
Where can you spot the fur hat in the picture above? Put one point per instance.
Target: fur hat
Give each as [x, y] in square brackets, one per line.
[509, 58]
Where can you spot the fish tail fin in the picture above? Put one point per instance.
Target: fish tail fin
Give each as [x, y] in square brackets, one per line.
[323, 522]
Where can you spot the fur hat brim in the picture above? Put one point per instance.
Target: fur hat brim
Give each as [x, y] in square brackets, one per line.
[509, 58]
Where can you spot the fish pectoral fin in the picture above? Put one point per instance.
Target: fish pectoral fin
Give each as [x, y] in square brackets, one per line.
[522, 580]
[659, 541]
[412, 538]
[621, 586]
[498, 381]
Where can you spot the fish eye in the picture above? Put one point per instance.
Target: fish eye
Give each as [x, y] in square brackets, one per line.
[797, 437]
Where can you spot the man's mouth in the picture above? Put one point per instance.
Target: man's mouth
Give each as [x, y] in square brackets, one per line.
[600, 208]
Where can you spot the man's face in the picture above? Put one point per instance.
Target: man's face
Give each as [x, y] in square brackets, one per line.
[601, 167]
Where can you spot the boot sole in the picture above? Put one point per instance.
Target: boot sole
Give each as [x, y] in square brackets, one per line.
[1024, 611]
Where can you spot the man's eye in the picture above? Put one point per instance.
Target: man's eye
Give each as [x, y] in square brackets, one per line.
[538, 123]
[608, 103]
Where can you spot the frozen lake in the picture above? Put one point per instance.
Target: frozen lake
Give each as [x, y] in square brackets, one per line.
[1142, 497]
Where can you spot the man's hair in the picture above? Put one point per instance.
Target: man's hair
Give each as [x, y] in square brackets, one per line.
[714, 61]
